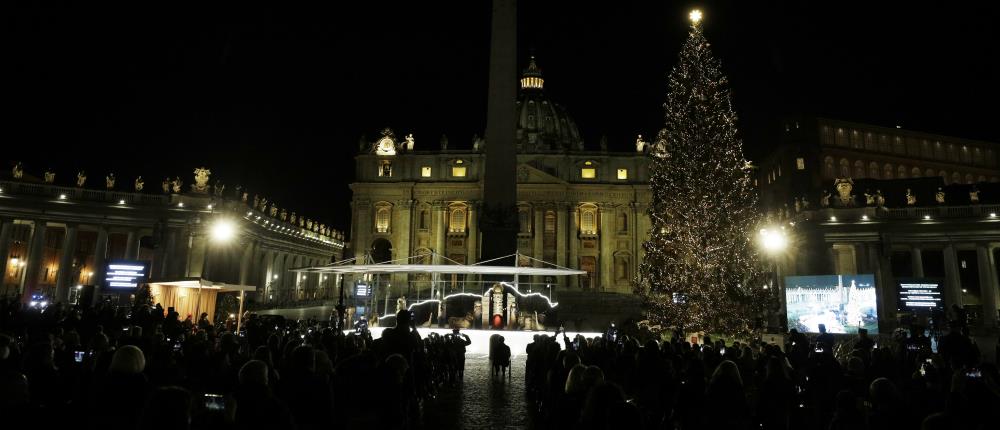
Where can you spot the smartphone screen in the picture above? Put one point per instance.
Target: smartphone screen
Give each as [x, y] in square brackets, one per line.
[215, 402]
[78, 356]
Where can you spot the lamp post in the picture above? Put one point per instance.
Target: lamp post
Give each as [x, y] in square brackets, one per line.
[775, 242]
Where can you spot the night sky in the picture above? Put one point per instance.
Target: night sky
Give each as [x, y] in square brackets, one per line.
[276, 98]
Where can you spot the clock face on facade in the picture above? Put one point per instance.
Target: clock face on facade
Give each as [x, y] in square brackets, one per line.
[385, 146]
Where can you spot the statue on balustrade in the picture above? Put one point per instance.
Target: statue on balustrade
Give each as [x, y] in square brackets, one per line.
[974, 195]
[166, 185]
[293, 218]
[869, 198]
[879, 199]
[176, 185]
[50, 176]
[219, 188]
[844, 188]
[302, 221]
[910, 198]
[274, 210]
[139, 184]
[200, 184]
[263, 205]
[640, 145]
[409, 142]
[244, 198]
[284, 215]
[109, 181]
[309, 224]
[824, 201]
[81, 178]
[18, 171]
[939, 196]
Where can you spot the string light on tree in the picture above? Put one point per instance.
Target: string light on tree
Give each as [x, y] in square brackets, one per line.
[702, 271]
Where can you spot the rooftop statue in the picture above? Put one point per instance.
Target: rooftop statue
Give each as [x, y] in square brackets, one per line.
[200, 185]
[109, 181]
[18, 171]
[50, 177]
[139, 184]
[81, 178]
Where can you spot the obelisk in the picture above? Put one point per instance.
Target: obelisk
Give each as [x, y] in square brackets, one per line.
[498, 222]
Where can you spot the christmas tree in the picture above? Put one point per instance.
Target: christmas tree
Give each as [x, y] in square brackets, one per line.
[701, 270]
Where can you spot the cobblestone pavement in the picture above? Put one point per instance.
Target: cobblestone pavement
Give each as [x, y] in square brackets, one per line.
[481, 402]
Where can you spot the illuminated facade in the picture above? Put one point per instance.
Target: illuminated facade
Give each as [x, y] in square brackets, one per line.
[577, 208]
[54, 238]
[899, 204]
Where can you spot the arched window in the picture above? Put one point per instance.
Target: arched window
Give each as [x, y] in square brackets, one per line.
[845, 168]
[915, 173]
[383, 216]
[956, 178]
[943, 175]
[898, 146]
[968, 178]
[841, 137]
[456, 221]
[588, 219]
[622, 222]
[524, 219]
[424, 219]
[929, 173]
[981, 178]
[550, 222]
[856, 140]
[828, 169]
[901, 172]
[887, 172]
[870, 142]
[859, 169]
[873, 170]
[939, 153]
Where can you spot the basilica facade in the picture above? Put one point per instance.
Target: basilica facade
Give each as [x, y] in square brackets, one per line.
[577, 207]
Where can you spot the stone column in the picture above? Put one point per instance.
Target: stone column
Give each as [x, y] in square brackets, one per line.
[987, 284]
[472, 256]
[562, 235]
[440, 231]
[917, 262]
[5, 232]
[100, 260]
[952, 281]
[607, 247]
[537, 231]
[573, 235]
[246, 262]
[34, 266]
[132, 245]
[884, 284]
[64, 278]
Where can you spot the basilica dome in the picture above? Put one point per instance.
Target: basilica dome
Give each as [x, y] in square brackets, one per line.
[543, 125]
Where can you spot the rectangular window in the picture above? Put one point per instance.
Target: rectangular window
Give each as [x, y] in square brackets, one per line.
[622, 173]
[588, 173]
[800, 163]
[425, 172]
[458, 171]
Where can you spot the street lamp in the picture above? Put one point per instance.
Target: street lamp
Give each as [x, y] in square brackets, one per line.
[223, 230]
[774, 241]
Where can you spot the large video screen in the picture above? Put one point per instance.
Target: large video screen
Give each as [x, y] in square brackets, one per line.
[843, 303]
[126, 274]
[919, 294]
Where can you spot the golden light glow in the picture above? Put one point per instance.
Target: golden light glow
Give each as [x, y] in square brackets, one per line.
[588, 173]
[425, 172]
[773, 240]
[622, 173]
[458, 172]
[223, 230]
[695, 16]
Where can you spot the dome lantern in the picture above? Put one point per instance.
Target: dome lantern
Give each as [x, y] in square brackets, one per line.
[531, 78]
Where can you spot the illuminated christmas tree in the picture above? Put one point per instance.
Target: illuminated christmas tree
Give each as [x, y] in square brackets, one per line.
[701, 270]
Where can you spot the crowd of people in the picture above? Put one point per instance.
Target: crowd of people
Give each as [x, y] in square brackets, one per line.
[149, 368]
[616, 382]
